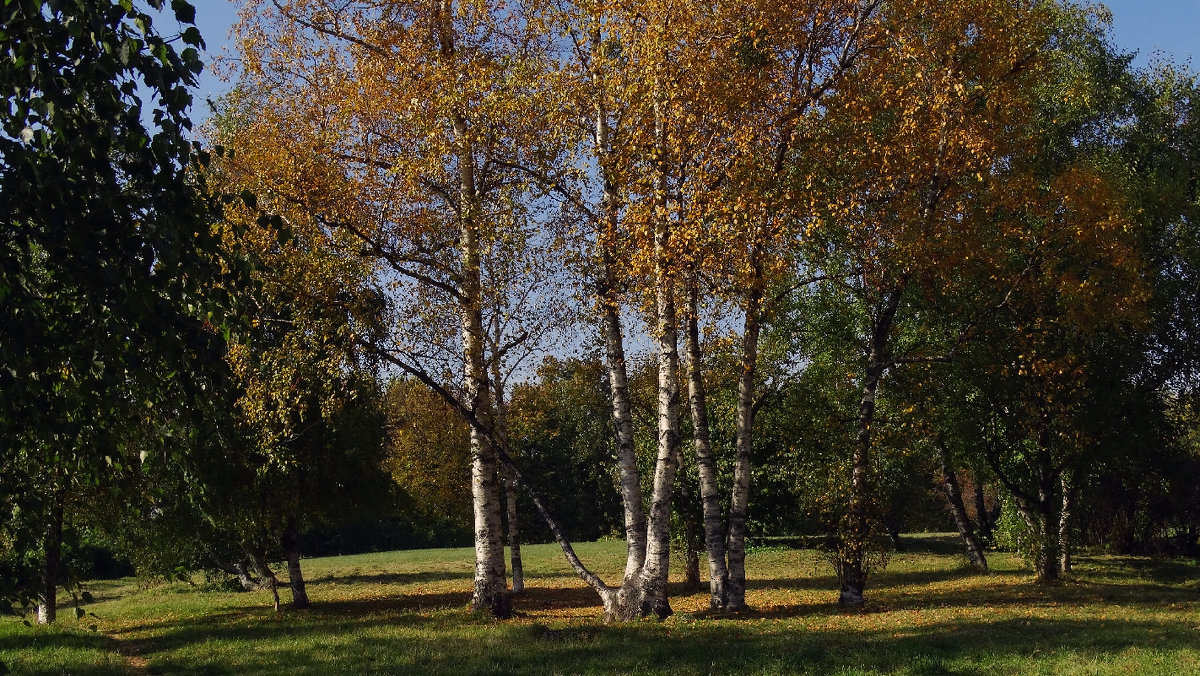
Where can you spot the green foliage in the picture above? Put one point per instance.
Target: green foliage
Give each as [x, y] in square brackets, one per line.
[108, 321]
[1012, 533]
[560, 428]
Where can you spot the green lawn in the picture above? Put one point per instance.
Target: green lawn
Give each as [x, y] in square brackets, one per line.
[405, 612]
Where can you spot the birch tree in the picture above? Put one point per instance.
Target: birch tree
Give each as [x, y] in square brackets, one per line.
[387, 123]
[941, 121]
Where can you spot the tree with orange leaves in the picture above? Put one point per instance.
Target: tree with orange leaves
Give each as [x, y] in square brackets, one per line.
[934, 197]
[767, 79]
[387, 126]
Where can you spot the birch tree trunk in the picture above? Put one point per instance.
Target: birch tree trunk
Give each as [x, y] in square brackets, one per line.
[652, 584]
[1064, 522]
[608, 296]
[47, 609]
[856, 539]
[959, 510]
[510, 482]
[740, 499]
[618, 381]
[514, 534]
[291, 551]
[706, 466]
[491, 589]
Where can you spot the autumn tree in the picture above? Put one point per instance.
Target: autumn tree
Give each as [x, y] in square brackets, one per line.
[428, 451]
[397, 126]
[750, 109]
[940, 199]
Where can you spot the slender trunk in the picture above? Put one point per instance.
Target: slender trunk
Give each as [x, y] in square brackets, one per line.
[614, 347]
[858, 532]
[857, 536]
[623, 602]
[622, 410]
[510, 483]
[982, 516]
[652, 585]
[740, 499]
[491, 588]
[1064, 523]
[291, 551]
[514, 534]
[613, 599]
[706, 465]
[47, 609]
[691, 534]
[958, 509]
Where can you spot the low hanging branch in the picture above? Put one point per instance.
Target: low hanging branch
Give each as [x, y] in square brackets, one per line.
[606, 592]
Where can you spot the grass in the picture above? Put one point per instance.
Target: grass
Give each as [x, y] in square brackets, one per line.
[405, 612]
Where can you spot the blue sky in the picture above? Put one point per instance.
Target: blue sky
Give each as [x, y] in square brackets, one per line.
[1169, 28]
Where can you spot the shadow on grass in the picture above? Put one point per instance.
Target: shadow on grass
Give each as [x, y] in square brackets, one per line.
[42, 640]
[58, 650]
[462, 645]
[1164, 571]
[931, 543]
[430, 633]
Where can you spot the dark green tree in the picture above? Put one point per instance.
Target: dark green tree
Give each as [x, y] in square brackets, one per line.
[105, 259]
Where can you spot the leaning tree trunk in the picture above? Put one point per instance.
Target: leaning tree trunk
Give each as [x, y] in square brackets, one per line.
[47, 609]
[958, 509]
[740, 499]
[706, 466]
[238, 569]
[291, 551]
[258, 559]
